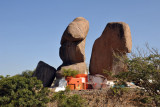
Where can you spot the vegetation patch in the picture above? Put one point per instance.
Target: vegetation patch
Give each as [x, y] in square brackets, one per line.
[65, 100]
[144, 70]
[22, 90]
[70, 72]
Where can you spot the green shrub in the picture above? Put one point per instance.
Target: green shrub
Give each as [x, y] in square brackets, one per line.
[144, 71]
[69, 72]
[118, 91]
[65, 100]
[22, 91]
[27, 73]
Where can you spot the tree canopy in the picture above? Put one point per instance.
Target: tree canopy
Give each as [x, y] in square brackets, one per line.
[22, 90]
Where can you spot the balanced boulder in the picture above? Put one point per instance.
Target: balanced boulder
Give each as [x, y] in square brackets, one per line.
[115, 40]
[45, 73]
[72, 50]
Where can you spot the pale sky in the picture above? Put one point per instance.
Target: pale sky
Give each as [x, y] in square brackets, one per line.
[31, 30]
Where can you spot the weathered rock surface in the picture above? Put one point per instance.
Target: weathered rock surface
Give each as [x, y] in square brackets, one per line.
[115, 39]
[45, 73]
[81, 67]
[72, 50]
[76, 31]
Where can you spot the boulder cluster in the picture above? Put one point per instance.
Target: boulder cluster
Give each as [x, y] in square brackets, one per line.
[115, 39]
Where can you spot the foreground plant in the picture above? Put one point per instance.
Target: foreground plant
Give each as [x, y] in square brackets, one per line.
[66, 100]
[22, 90]
[144, 71]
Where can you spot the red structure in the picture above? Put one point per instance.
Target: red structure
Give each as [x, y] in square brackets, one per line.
[78, 83]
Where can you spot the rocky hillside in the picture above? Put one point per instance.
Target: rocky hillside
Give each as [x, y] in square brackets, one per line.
[105, 98]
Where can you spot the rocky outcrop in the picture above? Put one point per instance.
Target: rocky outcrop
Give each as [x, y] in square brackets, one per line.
[72, 50]
[45, 73]
[115, 39]
[81, 67]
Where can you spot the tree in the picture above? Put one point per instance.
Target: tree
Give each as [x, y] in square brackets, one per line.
[22, 90]
[144, 71]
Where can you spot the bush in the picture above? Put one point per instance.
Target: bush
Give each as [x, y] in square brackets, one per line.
[69, 72]
[27, 73]
[144, 71]
[65, 100]
[22, 90]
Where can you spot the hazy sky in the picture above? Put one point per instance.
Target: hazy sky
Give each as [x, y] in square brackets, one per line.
[31, 30]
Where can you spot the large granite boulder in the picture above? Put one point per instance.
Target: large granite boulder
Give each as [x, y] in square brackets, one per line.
[77, 30]
[45, 73]
[72, 50]
[115, 39]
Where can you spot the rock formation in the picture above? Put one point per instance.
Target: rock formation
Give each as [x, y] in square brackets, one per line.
[72, 50]
[45, 73]
[115, 39]
[81, 67]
